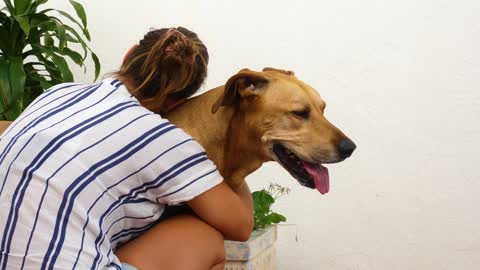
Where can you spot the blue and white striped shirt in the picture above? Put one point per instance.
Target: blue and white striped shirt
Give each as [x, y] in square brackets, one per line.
[86, 168]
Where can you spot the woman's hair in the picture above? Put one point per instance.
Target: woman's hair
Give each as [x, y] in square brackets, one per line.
[167, 62]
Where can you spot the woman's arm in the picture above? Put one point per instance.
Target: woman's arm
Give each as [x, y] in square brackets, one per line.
[229, 211]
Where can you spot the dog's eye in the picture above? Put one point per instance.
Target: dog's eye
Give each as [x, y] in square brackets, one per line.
[302, 113]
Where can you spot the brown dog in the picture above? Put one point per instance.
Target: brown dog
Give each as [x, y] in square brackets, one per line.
[264, 116]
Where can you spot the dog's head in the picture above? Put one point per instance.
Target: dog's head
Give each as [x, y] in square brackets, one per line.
[284, 118]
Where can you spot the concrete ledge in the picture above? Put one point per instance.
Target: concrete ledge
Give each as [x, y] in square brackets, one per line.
[258, 253]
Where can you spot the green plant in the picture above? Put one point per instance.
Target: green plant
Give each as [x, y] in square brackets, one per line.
[33, 46]
[262, 204]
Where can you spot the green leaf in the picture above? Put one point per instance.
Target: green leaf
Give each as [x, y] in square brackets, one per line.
[2, 112]
[50, 66]
[58, 61]
[4, 39]
[276, 218]
[10, 7]
[72, 39]
[4, 83]
[97, 65]
[33, 87]
[84, 30]
[22, 6]
[12, 83]
[17, 76]
[3, 16]
[44, 83]
[63, 66]
[87, 34]
[267, 198]
[46, 10]
[79, 38]
[38, 19]
[48, 41]
[23, 27]
[45, 64]
[61, 32]
[24, 24]
[76, 57]
[43, 26]
[262, 200]
[80, 12]
[37, 3]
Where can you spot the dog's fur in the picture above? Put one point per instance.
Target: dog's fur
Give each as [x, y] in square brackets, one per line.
[238, 123]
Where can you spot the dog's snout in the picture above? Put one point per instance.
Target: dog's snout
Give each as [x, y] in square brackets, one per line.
[345, 148]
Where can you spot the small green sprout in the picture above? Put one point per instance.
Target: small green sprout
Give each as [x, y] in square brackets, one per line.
[262, 203]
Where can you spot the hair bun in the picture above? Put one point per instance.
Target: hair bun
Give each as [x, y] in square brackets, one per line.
[167, 62]
[180, 46]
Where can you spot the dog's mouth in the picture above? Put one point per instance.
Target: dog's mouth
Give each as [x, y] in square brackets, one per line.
[311, 175]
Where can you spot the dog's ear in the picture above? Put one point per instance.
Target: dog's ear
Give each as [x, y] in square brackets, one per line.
[245, 84]
[286, 72]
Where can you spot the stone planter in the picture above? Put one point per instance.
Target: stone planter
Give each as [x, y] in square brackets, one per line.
[258, 253]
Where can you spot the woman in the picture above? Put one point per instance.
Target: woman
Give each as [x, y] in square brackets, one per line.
[87, 170]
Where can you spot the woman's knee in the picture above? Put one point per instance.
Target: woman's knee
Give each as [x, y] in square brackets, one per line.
[181, 242]
[219, 248]
[207, 237]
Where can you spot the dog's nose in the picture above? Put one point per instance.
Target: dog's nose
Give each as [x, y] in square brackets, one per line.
[345, 148]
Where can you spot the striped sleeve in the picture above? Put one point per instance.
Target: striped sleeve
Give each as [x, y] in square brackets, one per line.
[186, 169]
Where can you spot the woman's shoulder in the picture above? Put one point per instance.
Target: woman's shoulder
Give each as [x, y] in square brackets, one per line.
[140, 120]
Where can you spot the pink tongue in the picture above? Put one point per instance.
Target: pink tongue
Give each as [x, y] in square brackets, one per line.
[320, 176]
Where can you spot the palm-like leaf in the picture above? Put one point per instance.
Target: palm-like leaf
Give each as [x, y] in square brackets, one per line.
[34, 45]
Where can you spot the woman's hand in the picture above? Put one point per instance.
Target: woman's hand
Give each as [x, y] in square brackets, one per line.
[229, 211]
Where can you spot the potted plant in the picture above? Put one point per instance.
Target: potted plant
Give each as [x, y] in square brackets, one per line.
[259, 251]
[33, 46]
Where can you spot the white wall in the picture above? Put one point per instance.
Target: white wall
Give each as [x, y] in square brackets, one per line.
[401, 78]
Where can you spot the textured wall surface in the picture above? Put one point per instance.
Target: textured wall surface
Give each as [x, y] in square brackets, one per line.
[401, 78]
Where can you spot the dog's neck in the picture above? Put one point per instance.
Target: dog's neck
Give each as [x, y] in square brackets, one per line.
[228, 145]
